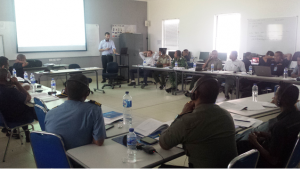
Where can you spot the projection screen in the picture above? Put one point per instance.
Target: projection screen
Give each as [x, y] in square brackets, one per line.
[50, 25]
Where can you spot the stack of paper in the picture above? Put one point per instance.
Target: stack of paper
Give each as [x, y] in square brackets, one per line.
[44, 96]
[111, 117]
[151, 126]
[243, 121]
[250, 106]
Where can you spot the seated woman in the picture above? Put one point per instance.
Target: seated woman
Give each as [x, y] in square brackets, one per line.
[12, 101]
[275, 139]
[181, 63]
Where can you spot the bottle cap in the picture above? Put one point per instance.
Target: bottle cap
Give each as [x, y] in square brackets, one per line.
[52, 78]
[131, 130]
[255, 84]
[127, 92]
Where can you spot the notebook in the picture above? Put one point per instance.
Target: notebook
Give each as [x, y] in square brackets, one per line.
[111, 117]
[151, 126]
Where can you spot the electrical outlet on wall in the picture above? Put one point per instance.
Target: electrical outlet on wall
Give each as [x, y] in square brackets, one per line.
[58, 59]
[50, 60]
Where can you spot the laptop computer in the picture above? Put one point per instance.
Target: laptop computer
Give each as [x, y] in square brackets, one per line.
[263, 71]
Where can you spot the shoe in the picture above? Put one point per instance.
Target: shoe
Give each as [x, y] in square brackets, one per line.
[227, 97]
[161, 87]
[144, 85]
[132, 84]
[103, 81]
[169, 90]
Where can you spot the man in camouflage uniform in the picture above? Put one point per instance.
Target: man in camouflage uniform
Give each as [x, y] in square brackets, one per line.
[181, 61]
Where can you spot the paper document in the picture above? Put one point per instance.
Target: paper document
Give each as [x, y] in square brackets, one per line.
[243, 121]
[151, 126]
[232, 106]
[44, 96]
[267, 104]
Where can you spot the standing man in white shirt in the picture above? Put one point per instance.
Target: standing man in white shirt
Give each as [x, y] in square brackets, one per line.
[234, 65]
[148, 60]
[107, 48]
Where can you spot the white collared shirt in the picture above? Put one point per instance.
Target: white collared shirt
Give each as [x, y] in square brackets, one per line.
[149, 60]
[103, 45]
[237, 66]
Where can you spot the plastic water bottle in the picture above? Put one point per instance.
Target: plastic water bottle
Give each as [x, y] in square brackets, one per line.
[176, 64]
[127, 104]
[194, 65]
[250, 70]
[144, 63]
[285, 73]
[131, 146]
[212, 67]
[53, 85]
[32, 79]
[254, 92]
[26, 75]
[14, 72]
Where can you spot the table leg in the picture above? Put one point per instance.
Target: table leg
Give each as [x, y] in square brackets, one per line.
[182, 81]
[97, 89]
[138, 75]
[237, 88]
[66, 77]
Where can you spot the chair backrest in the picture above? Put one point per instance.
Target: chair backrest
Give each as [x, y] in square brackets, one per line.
[40, 110]
[48, 150]
[112, 67]
[74, 66]
[295, 156]
[246, 160]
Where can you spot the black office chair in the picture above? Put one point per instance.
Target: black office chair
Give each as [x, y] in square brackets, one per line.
[76, 66]
[111, 75]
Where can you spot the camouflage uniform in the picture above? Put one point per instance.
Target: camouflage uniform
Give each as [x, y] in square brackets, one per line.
[181, 63]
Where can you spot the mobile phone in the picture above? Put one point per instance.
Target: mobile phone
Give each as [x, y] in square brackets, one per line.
[109, 126]
[39, 91]
[149, 140]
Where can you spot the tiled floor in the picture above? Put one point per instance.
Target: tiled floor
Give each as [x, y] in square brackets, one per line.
[149, 102]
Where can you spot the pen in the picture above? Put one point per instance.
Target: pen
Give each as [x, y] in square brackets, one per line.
[242, 120]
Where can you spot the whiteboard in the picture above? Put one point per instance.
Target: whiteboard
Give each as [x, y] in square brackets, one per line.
[8, 30]
[275, 34]
[1, 46]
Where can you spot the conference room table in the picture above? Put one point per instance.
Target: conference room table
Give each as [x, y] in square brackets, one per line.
[45, 66]
[67, 72]
[222, 74]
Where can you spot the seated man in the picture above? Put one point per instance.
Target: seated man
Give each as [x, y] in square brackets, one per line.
[185, 54]
[164, 60]
[206, 131]
[181, 63]
[148, 60]
[275, 139]
[296, 72]
[4, 65]
[213, 59]
[263, 61]
[287, 59]
[12, 101]
[246, 60]
[20, 63]
[77, 122]
[234, 65]
[277, 64]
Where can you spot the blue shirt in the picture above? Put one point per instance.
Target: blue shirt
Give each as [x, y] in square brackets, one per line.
[103, 45]
[76, 122]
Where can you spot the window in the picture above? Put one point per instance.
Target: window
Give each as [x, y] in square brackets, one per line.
[170, 30]
[227, 32]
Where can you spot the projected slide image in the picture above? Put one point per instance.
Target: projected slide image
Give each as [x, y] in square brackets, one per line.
[50, 25]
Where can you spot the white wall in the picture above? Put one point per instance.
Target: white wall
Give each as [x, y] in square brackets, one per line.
[197, 19]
